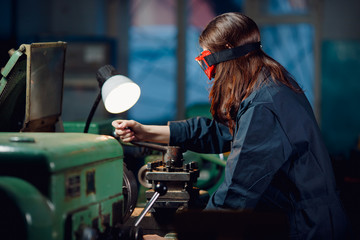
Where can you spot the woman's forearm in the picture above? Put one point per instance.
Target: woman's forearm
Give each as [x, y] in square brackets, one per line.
[156, 133]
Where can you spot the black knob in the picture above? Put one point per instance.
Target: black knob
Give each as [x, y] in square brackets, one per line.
[193, 165]
[161, 188]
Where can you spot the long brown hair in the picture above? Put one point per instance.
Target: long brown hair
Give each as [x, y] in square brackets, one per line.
[236, 79]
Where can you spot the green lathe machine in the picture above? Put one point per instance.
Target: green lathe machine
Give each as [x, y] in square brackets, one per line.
[53, 184]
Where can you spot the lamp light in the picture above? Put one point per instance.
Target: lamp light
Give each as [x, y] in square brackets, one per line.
[118, 92]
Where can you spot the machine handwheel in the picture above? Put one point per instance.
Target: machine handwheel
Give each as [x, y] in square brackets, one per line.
[130, 191]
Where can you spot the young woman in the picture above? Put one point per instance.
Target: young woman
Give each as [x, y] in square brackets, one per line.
[278, 161]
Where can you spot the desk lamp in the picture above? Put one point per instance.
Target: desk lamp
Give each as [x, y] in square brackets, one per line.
[118, 92]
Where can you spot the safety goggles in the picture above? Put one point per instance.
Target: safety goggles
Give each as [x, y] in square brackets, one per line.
[208, 60]
[209, 70]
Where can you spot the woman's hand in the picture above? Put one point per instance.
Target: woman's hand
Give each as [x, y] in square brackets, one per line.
[129, 130]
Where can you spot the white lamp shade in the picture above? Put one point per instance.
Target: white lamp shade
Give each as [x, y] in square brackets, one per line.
[119, 94]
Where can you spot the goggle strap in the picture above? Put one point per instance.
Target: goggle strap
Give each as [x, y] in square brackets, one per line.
[231, 53]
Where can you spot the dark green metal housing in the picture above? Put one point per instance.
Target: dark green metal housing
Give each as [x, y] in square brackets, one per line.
[75, 181]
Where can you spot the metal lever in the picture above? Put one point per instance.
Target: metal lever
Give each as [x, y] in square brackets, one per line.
[160, 189]
[151, 145]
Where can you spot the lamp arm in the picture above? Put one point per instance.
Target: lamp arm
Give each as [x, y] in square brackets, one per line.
[92, 112]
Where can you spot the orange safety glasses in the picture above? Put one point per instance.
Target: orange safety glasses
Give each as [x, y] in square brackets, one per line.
[209, 70]
[208, 60]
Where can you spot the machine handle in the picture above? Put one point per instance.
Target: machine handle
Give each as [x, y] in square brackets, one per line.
[151, 145]
[145, 144]
[160, 189]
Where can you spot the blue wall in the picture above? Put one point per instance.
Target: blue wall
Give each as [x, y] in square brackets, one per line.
[340, 115]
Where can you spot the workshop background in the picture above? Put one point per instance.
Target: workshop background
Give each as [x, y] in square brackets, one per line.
[154, 43]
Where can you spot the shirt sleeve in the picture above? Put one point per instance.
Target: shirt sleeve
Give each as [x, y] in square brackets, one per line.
[256, 155]
[200, 134]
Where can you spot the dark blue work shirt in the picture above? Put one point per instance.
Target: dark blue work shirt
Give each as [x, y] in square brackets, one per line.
[277, 161]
